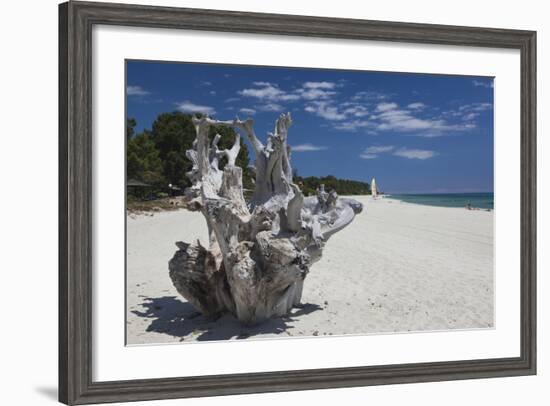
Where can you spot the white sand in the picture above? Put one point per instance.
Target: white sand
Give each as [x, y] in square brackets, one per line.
[398, 267]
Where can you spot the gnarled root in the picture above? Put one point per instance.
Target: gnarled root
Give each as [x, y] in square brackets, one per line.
[259, 254]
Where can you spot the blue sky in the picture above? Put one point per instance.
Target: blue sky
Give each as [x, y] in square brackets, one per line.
[416, 133]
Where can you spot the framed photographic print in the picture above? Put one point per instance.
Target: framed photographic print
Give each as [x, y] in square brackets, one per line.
[260, 202]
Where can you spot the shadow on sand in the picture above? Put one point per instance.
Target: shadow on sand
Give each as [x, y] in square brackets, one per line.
[180, 319]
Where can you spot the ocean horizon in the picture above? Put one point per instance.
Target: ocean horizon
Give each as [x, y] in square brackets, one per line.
[475, 200]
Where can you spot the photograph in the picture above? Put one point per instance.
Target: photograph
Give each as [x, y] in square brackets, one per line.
[267, 202]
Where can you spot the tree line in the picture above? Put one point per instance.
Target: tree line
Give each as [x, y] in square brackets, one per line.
[156, 157]
[309, 185]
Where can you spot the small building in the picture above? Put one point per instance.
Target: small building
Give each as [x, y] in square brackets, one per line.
[136, 183]
[174, 190]
[138, 188]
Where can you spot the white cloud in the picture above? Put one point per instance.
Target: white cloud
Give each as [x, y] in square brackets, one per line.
[377, 149]
[369, 111]
[262, 84]
[415, 153]
[369, 96]
[245, 110]
[488, 84]
[287, 97]
[265, 91]
[189, 107]
[470, 116]
[354, 125]
[368, 156]
[467, 113]
[373, 151]
[388, 116]
[205, 83]
[325, 110]
[270, 107]
[319, 85]
[386, 106]
[136, 91]
[269, 91]
[231, 99]
[403, 121]
[475, 107]
[307, 148]
[357, 110]
[314, 93]
[417, 106]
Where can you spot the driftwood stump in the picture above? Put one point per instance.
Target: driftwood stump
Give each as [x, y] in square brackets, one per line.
[259, 253]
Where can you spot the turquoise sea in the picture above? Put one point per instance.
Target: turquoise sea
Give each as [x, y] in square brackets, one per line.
[477, 200]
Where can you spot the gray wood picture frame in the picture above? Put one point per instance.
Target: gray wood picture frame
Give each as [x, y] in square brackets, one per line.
[76, 20]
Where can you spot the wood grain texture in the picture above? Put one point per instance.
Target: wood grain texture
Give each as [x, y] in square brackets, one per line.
[63, 246]
[76, 20]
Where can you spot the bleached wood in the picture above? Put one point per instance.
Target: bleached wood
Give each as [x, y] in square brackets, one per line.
[259, 253]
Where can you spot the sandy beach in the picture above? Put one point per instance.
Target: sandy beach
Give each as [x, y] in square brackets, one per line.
[397, 267]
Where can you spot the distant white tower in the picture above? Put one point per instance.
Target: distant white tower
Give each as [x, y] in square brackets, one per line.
[374, 190]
